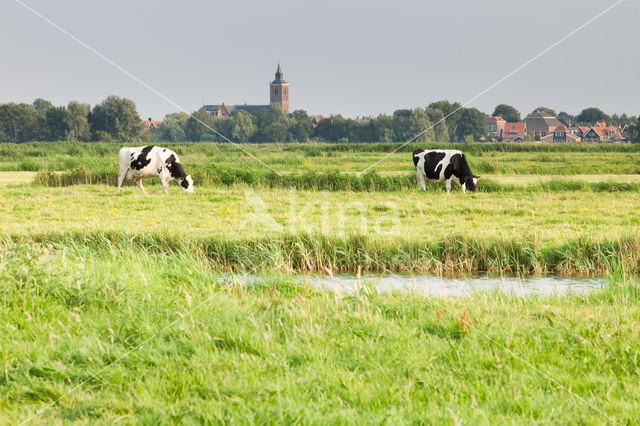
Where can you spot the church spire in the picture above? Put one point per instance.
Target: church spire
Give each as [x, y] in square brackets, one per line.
[279, 76]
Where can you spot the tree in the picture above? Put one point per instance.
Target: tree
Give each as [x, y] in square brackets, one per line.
[275, 132]
[78, 125]
[20, 122]
[634, 131]
[241, 125]
[324, 128]
[621, 120]
[546, 110]
[566, 118]
[471, 123]
[56, 124]
[270, 122]
[173, 127]
[42, 106]
[507, 112]
[118, 117]
[420, 126]
[382, 128]
[452, 112]
[401, 125]
[440, 129]
[592, 115]
[200, 123]
[301, 128]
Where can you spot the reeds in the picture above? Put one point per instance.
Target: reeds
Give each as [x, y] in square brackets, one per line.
[306, 253]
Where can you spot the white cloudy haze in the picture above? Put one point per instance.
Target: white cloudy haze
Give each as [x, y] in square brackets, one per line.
[353, 57]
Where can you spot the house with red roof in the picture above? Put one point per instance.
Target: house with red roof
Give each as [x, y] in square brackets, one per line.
[495, 125]
[603, 133]
[514, 132]
[150, 124]
[560, 134]
[316, 119]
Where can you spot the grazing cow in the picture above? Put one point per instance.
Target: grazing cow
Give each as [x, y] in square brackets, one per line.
[444, 165]
[148, 161]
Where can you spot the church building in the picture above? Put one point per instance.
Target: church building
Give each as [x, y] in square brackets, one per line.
[278, 94]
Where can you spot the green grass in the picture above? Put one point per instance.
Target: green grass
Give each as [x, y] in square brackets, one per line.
[567, 232]
[88, 278]
[283, 352]
[202, 158]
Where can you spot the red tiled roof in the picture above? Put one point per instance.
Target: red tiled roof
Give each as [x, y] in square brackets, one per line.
[600, 124]
[560, 128]
[147, 123]
[513, 127]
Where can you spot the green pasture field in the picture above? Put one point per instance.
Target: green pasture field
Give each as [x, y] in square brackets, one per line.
[174, 341]
[149, 290]
[484, 158]
[561, 232]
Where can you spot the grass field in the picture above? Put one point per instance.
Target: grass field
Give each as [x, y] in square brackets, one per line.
[148, 290]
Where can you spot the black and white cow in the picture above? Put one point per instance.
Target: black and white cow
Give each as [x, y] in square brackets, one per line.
[148, 161]
[444, 165]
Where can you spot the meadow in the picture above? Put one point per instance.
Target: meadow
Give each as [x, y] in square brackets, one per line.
[151, 292]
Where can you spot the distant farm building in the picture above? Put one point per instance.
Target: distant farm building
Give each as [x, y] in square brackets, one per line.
[514, 132]
[560, 134]
[539, 124]
[495, 125]
[603, 133]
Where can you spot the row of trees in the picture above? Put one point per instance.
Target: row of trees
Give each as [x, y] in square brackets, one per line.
[113, 119]
[271, 124]
[117, 119]
[586, 117]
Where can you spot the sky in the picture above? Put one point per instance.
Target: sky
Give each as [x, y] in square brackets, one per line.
[350, 57]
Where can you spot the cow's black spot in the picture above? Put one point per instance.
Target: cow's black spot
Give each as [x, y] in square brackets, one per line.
[175, 168]
[461, 168]
[448, 172]
[142, 161]
[431, 168]
[415, 156]
[184, 184]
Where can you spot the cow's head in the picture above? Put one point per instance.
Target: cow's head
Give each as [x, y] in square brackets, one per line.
[471, 183]
[187, 184]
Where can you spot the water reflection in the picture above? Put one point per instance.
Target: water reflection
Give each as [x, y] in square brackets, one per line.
[459, 286]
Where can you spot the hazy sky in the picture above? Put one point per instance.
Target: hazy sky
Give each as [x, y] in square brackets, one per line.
[353, 57]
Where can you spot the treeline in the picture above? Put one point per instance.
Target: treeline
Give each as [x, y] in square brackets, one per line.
[113, 119]
[117, 119]
[271, 124]
[440, 121]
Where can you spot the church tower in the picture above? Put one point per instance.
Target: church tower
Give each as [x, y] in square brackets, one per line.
[280, 91]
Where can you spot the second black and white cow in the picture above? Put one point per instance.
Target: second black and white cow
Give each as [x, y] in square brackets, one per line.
[148, 161]
[444, 165]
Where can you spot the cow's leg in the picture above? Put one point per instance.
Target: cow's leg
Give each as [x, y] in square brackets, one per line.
[121, 176]
[141, 187]
[421, 179]
[165, 178]
[165, 184]
[464, 187]
[448, 185]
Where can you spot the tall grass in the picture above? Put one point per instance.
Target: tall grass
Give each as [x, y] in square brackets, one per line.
[304, 252]
[331, 180]
[170, 340]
